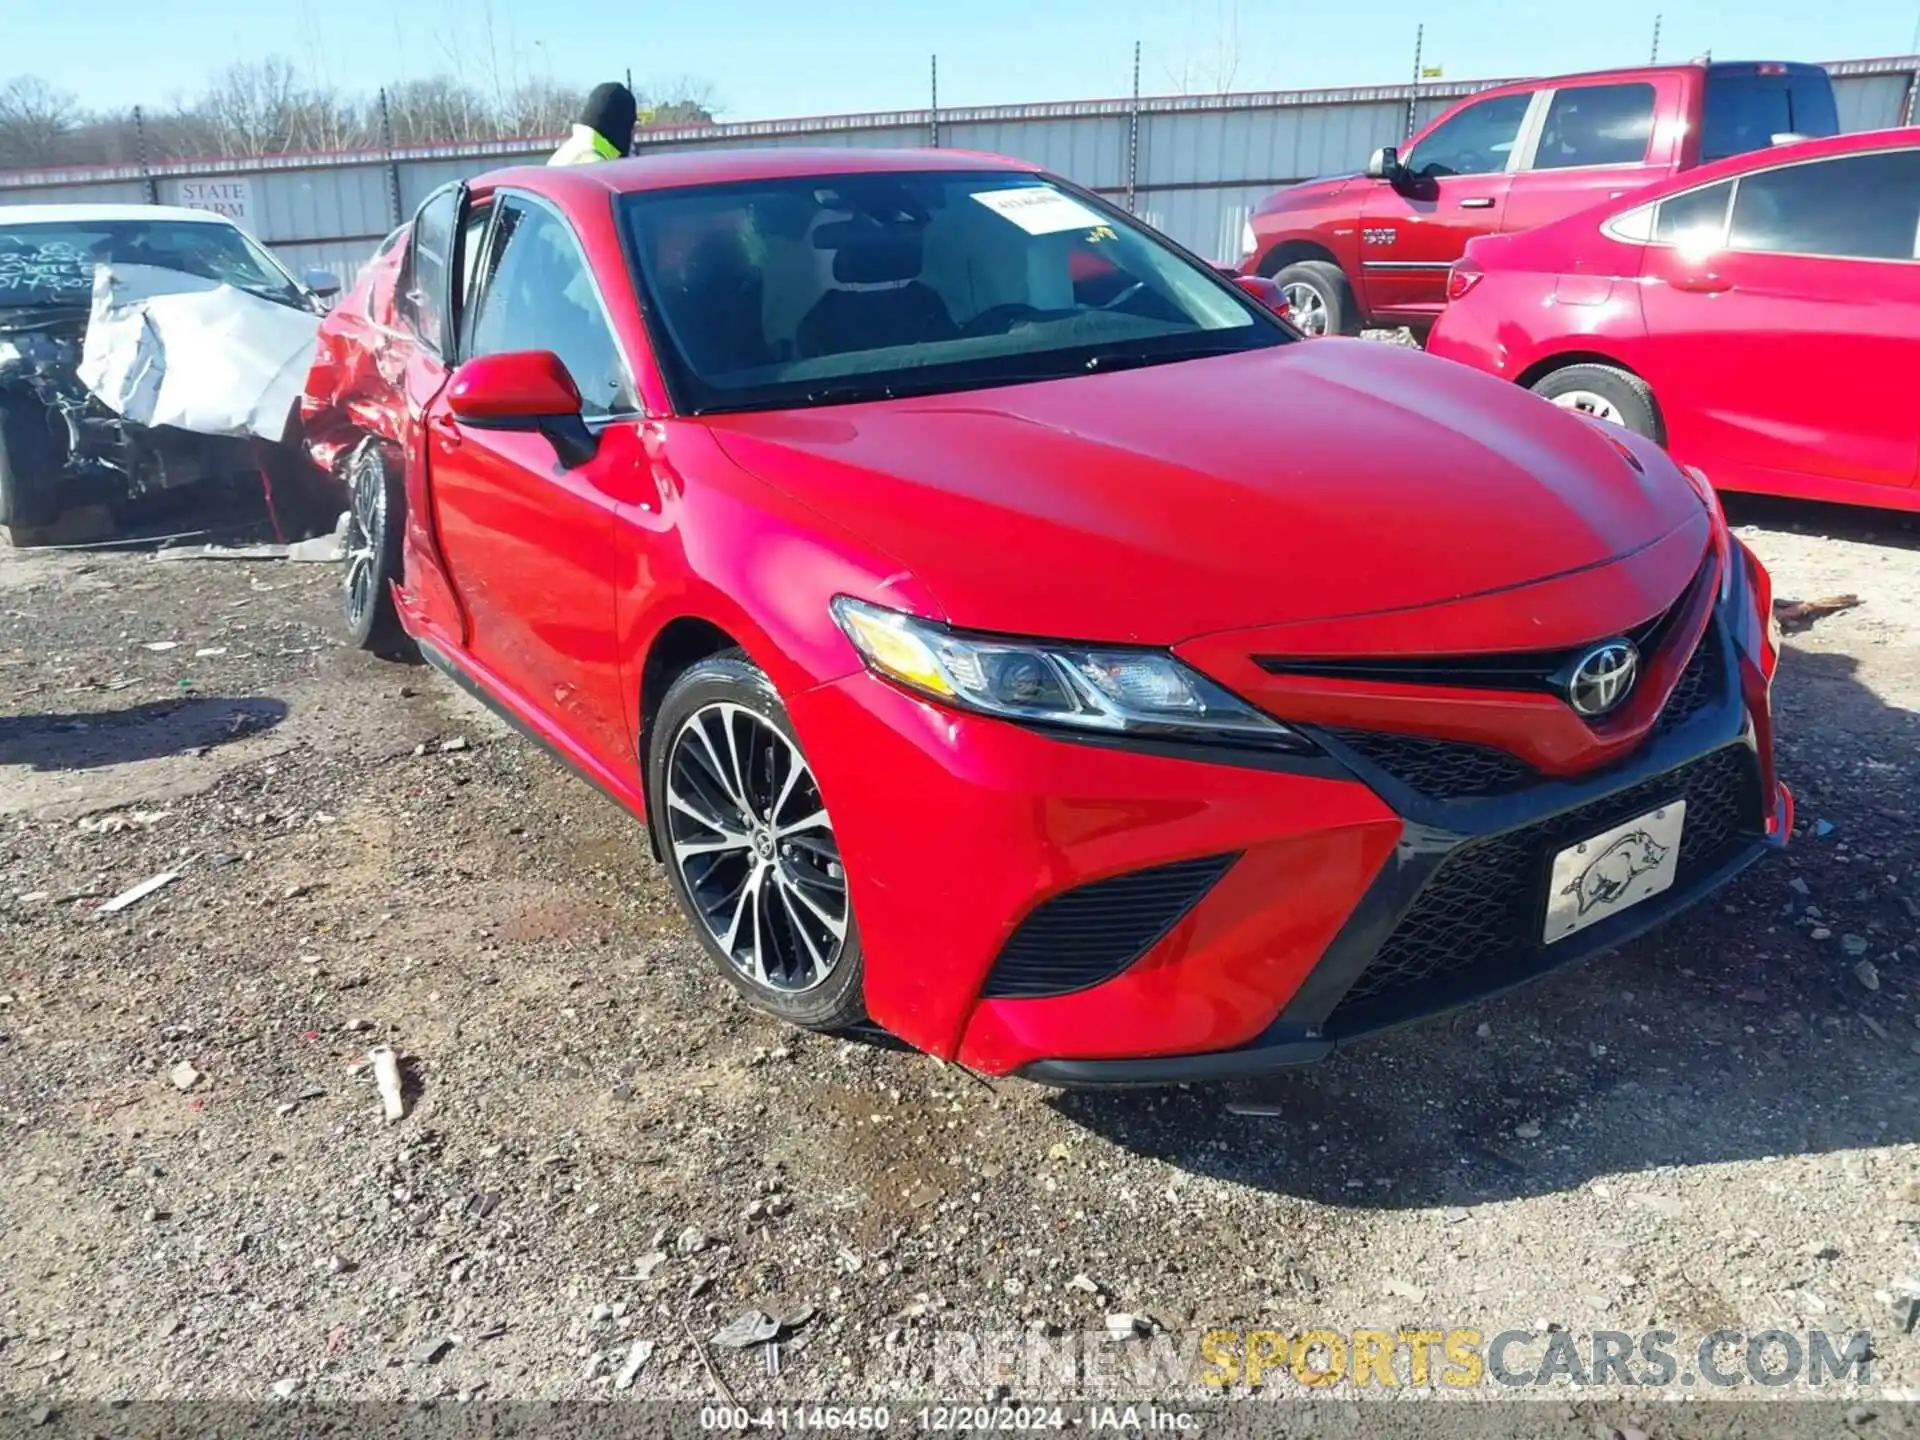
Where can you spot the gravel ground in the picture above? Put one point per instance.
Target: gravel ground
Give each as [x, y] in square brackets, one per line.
[1716, 1129]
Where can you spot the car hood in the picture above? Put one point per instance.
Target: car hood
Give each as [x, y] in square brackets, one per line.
[1310, 481]
[1307, 192]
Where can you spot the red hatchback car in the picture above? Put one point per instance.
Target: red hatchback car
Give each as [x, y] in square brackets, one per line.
[1099, 684]
[1760, 317]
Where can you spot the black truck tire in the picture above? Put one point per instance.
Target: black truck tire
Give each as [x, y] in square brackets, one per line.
[29, 464]
[1328, 306]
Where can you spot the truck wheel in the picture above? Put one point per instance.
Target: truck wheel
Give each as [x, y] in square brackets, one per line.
[376, 509]
[29, 465]
[1320, 298]
[1606, 393]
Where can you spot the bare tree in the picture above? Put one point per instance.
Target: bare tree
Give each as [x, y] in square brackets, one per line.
[35, 121]
[678, 100]
[1208, 62]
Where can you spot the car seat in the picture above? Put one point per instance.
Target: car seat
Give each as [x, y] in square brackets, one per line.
[907, 311]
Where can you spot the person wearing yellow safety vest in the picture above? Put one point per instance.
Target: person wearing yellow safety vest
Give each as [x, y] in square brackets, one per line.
[604, 130]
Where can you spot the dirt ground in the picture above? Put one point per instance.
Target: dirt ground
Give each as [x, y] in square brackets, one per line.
[1716, 1129]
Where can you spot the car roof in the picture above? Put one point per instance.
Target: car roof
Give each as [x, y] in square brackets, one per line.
[1859, 142]
[71, 214]
[721, 167]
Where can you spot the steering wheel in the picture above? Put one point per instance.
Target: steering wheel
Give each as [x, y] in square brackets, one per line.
[997, 319]
[1470, 162]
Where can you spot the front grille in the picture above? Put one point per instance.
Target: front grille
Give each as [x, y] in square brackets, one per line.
[1442, 769]
[1698, 685]
[1090, 934]
[1456, 770]
[1476, 925]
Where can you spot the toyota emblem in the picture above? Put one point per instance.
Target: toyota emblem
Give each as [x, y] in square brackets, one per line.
[1602, 678]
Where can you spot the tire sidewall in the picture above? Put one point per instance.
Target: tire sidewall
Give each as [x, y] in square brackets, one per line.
[1629, 396]
[1330, 283]
[732, 678]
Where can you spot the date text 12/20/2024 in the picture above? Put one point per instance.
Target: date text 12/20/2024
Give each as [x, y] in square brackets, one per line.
[950, 1419]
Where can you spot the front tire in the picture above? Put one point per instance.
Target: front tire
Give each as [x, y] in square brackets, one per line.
[376, 518]
[29, 465]
[1320, 298]
[750, 848]
[1605, 392]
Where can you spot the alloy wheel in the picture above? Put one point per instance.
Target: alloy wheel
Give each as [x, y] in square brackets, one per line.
[1589, 403]
[755, 849]
[1307, 307]
[366, 525]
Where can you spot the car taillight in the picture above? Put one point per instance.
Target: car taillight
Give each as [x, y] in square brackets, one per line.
[1769, 69]
[1463, 277]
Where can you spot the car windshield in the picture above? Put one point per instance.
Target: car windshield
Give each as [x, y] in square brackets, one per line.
[52, 262]
[843, 288]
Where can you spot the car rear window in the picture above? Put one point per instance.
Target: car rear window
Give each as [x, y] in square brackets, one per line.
[1746, 109]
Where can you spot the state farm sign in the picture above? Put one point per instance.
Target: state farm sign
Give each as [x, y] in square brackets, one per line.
[231, 198]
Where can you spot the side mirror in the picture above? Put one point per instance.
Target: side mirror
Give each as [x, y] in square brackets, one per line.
[523, 390]
[323, 283]
[1267, 292]
[1384, 164]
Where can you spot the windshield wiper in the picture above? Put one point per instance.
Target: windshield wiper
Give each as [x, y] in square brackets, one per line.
[852, 394]
[1134, 359]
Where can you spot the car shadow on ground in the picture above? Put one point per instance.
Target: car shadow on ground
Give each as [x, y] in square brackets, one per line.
[1740, 1030]
[1891, 528]
[143, 732]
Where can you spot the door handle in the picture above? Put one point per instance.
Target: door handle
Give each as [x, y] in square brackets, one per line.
[1703, 284]
[1478, 203]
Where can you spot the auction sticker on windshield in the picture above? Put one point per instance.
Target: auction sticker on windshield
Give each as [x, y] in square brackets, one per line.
[1039, 210]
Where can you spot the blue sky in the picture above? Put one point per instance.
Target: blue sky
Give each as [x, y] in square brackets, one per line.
[801, 57]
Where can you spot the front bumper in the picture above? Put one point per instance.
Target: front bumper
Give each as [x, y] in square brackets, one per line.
[1335, 911]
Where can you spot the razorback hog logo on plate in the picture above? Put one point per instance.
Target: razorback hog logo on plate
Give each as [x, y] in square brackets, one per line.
[1610, 872]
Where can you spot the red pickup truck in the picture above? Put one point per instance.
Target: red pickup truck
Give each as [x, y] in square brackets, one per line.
[1374, 248]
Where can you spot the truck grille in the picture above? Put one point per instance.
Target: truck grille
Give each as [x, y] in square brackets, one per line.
[1476, 925]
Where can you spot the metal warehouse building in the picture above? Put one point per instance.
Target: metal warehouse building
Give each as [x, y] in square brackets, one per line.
[1191, 165]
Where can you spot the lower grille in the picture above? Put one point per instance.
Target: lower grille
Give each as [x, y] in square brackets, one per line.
[1477, 923]
[1090, 934]
[1443, 769]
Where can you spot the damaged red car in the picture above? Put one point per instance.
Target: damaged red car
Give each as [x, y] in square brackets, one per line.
[1104, 686]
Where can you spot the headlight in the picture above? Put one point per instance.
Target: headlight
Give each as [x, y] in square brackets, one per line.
[1249, 242]
[1109, 691]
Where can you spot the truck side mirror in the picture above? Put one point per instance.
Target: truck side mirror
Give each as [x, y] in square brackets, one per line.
[1384, 164]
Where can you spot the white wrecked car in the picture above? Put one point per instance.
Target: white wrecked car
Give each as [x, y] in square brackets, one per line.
[141, 348]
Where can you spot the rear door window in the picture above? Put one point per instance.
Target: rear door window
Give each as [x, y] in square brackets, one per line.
[1697, 218]
[1745, 111]
[1596, 125]
[1863, 207]
[1479, 140]
[427, 294]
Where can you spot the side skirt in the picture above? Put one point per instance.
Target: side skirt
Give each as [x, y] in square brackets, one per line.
[620, 795]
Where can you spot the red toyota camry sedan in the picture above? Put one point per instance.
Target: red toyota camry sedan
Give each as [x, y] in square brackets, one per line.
[1760, 317]
[1097, 683]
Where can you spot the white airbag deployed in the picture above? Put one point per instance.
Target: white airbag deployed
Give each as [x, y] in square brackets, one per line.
[167, 348]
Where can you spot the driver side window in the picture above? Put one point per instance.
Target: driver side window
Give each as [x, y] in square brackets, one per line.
[1479, 140]
[539, 295]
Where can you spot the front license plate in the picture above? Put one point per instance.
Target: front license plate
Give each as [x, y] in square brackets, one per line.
[1616, 869]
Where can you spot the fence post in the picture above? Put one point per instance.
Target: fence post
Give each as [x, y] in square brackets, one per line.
[1913, 95]
[393, 168]
[933, 102]
[147, 186]
[1133, 135]
[1413, 98]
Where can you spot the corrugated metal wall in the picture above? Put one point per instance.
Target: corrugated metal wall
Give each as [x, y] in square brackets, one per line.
[1195, 164]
